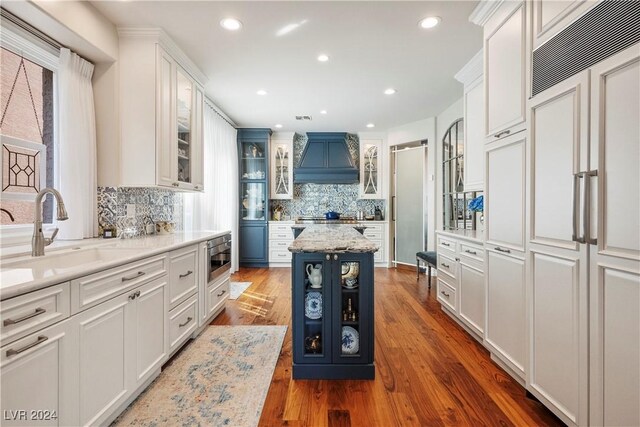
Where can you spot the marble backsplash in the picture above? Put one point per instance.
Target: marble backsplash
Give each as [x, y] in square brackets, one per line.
[151, 205]
[316, 199]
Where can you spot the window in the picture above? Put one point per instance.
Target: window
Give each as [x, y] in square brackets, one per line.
[27, 126]
[455, 201]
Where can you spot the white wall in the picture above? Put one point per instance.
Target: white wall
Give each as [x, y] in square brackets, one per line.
[443, 121]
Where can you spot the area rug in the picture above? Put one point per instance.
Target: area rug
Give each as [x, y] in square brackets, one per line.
[237, 288]
[221, 379]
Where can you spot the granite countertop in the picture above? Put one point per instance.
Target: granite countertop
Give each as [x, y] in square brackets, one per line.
[332, 238]
[472, 235]
[22, 274]
[356, 226]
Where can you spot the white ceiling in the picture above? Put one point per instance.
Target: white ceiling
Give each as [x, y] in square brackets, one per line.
[372, 45]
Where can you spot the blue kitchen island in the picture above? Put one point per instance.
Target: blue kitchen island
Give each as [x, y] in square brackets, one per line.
[332, 285]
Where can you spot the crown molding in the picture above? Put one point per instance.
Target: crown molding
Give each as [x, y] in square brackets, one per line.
[169, 45]
[484, 10]
[472, 69]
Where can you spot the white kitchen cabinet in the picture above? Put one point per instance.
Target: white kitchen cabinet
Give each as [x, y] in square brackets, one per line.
[505, 70]
[557, 282]
[548, 17]
[161, 104]
[280, 238]
[505, 325]
[504, 205]
[371, 169]
[614, 288]
[377, 233]
[183, 271]
[122, 343]
[474, 137]
[281, 164]
[38, 375]
[461, 269]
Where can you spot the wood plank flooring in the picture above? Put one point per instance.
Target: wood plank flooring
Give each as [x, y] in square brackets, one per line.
[429, 371]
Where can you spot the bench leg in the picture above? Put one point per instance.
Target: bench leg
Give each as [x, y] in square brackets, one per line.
[418, 268]
[429, 270]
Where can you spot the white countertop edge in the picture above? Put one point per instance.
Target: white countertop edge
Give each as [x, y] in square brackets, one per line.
[464, 235]
[165, 243]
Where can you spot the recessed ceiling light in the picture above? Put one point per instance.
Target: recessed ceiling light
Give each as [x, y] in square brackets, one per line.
[231, 24]
[261, 92]
[278, 125]
[323, 57]
[323, 112]
[370, 125]
[429, 22]
[390, 91]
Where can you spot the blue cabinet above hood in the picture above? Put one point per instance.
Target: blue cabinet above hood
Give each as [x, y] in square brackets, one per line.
[326, 160]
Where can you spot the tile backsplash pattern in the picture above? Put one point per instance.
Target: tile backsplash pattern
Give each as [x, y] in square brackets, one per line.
[316, 199]
[151, 204]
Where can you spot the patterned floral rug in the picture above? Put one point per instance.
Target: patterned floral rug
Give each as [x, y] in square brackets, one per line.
[220, 379]
[237, 288]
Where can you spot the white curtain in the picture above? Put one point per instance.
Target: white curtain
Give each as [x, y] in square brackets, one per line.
[77, 147]
[217, 207]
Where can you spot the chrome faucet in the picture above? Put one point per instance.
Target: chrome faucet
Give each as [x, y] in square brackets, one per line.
[38, 241]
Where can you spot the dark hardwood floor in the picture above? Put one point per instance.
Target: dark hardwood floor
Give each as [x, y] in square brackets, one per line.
[429, 371]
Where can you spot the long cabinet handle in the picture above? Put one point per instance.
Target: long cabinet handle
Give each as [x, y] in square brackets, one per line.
[576, 207]
[38, 312]
[504, 132]
[499, 249]
[222, 293]
[40, 340]
[444, 265]
[135, 276]
[586, 210]
[444, 293]
[445, 244]
[188, 273]
[471, 252]
[189, 319]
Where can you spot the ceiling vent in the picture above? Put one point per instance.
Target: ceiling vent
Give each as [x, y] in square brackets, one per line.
[303, 118]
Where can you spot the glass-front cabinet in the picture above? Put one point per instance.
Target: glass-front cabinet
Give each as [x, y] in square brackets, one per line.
[185, 124]
[333, 315]
[253, 156]
[282, 168]
[370, 169]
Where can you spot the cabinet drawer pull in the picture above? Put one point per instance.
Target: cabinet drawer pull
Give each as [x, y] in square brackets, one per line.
[445, 265]
[499, 249]
[126, 279]
[445, 244]
[40, 340]
[444, 293]
[188, 273]
[328, 257]
[134, 295]
[38, 312]
[189, 319]
[176, 184]
[499, 134]
[471, 252]
[222, 293]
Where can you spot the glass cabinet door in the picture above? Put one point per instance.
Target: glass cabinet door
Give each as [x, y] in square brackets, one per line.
[184, 112]
[281, 170]
[254, 203]
[253, 163]
[312, 309]
[370, 186]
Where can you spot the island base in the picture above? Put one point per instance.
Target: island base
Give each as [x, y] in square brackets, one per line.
[334, 372]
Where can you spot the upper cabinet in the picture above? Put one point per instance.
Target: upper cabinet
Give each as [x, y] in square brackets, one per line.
[281, 163]
[505, 70]
[371, 169]
[548, 17]
[162, 102]
[473, 101]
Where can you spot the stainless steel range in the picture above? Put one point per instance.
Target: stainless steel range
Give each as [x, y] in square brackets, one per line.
[323, 220]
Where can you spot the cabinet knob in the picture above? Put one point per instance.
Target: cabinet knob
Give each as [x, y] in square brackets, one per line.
[328, 257]
[335, 257]
[176, 184]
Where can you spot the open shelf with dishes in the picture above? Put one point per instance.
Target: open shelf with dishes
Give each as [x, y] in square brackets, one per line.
[333, 315]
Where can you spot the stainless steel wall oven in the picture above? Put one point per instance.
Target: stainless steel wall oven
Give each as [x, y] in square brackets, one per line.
[218, 256]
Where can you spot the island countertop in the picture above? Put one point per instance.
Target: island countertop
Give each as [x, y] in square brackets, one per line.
[340, 238]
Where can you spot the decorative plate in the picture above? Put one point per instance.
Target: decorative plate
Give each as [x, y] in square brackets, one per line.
[350, 340]
[313, 305]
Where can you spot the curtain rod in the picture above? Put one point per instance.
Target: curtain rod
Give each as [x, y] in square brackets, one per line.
[215, 109]
[30, 29]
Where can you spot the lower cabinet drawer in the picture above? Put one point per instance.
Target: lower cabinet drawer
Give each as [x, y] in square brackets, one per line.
[280, 255]
[472, 252]
[446, 295]
[447, 266]
[372, 234]
[31, 312]
[183, 274]
[280, 244]
[183, 320]
[216, 296]
[287, 234]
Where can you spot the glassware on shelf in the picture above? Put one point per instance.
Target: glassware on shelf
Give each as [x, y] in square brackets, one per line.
[370, 170]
